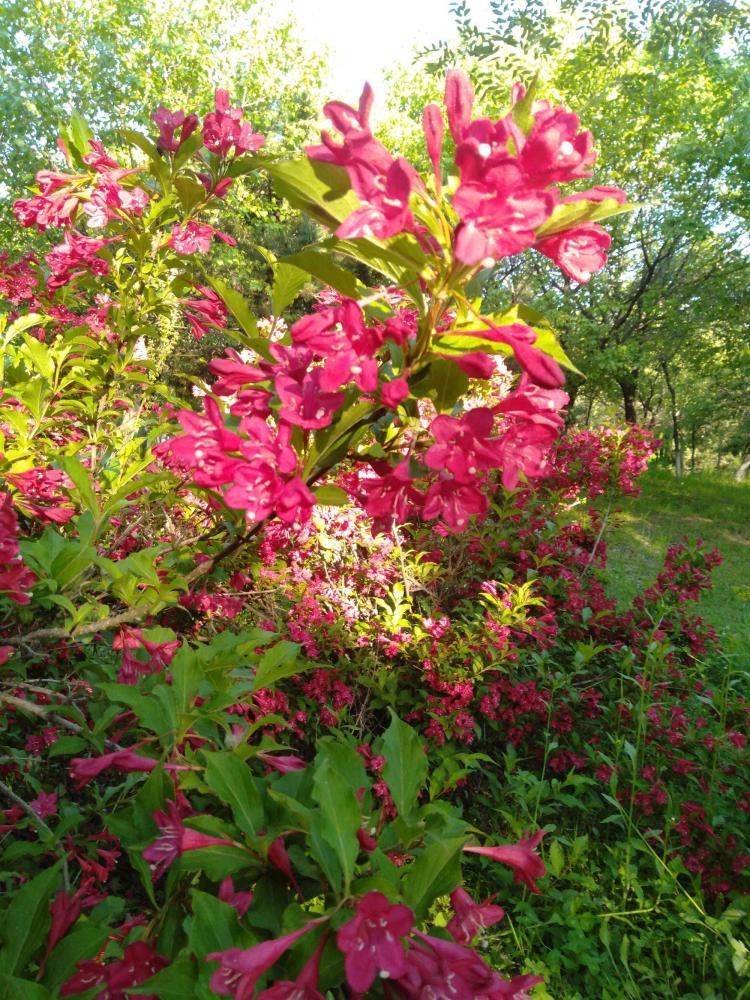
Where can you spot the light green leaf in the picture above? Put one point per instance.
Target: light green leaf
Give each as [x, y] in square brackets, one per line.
[287, 282]
[281, 660]
[331, 496]
[405, 769]
[435, 873]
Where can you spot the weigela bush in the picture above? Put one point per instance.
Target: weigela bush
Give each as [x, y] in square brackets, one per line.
[175, 828]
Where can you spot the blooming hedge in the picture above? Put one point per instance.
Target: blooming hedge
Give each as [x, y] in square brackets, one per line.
[182, 821]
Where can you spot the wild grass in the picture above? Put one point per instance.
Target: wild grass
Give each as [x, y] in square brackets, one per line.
[700, 505]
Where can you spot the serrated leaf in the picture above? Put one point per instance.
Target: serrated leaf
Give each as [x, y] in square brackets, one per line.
[281, 660]
[231, 779]
[405, 769]
[288, 280]
[319, 264]
[435, 873]
[339, 816]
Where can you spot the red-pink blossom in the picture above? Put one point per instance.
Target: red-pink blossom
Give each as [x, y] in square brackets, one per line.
[579, 251]
[174, 839]
[521, 857]
[224, 130]
[470, 917]
[371, 941]
[240, 969]
[555, 151]
[195, 237]
[85, 769]
[138, 964]
[459, 100]
[241, 901]
[168, 122]
[463, 445]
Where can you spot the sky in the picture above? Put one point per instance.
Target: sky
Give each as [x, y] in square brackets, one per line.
[365, 37]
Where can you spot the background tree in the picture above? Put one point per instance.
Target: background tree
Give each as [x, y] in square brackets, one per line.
[667, 87]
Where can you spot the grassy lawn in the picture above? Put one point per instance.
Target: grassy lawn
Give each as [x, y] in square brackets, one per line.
[714, 508]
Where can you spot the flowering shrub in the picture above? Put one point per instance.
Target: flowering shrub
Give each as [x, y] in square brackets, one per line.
[176, 827]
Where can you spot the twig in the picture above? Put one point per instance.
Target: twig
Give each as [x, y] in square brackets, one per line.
[41, 825]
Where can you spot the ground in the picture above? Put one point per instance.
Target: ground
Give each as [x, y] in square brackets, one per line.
[712, 507]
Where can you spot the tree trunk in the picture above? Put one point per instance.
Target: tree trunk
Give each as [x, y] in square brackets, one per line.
[675, 421]
[628, 386]
[744, 465]
[693, 432]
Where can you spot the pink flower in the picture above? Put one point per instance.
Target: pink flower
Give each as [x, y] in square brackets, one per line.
[84, 769]
[294, 502]
[454, 503]
[283, 763]
[66, 908]
[540, 367]
[579, 251]
[555, 150]
[446, 969]
[174, 839]
[500, 222]
[394, 392]
[385, 208]
[521, 857]
[304, 402]
[459, 100]
[392, 497]
[304, 987]
[470, 918]
[240, 970]
[45, 804]
[432, 124]
[371, 941]
[168, 123]
[195, 237]
[206, 312]
[223, 129]
[98, 159]
[241, 901]
[203, 449]
[463, 444]
[138, 964]
[358, 144]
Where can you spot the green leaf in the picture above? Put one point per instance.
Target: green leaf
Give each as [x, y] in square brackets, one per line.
[287, 282]
[331, 496]
[149, 710]
[320, 190]
[83, 942]
[176, 982]
[339, 817]
[230, 778]
[27, 920]
[80, 133]
[319, 264]
[214, 925]
[405, 769]
[435, 873]
[237, 306]
[556, 858]
[445, 384]
[281, 660]
[574, 213]
[83, 484]
[190, 192]
[12, 988]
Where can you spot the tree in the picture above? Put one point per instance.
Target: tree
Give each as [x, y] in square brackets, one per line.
[668, 84]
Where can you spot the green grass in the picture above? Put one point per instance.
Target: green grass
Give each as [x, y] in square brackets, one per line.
[714, 508]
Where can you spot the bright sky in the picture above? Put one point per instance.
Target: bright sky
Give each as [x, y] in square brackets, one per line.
[365, 37]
